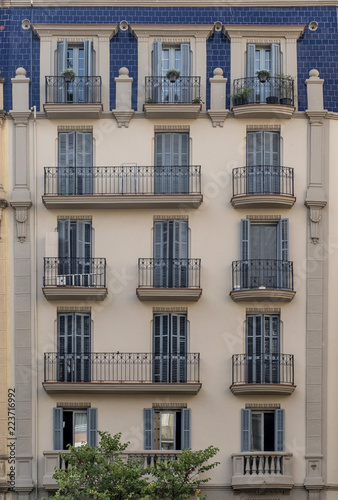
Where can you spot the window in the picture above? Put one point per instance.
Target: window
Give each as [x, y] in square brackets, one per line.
[170, 348]
[170, 254]
[166, 429]
[262, 430]
[75, 252]
[74, 427]
[265, 254]
[266, 57]
[74, 347]
[262, 162]
[75, 163]
[171, 169]
[263, 348]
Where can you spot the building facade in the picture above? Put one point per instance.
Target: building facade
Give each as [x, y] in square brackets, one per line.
[169, 241]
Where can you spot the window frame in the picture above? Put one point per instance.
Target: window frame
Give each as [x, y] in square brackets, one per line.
[149, 427]
[279, 429]
[58, 425]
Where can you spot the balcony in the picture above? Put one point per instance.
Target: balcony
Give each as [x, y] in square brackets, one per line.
[272, 99]
[53, 459]
[126, 186]
[262, 471]
[169, 279]
[262, 279]
[173, 99]
[121, 372]
[74, 279]
[262, 374]
[78, 98]
[263, 186]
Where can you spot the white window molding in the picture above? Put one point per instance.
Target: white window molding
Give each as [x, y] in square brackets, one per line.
[51, 34]
[195, 35]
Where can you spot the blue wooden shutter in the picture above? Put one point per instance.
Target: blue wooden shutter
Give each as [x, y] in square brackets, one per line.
[279, 430]
[161, 253]
[66, 163]
[178, 348]
[180, 262]
[92, 426]
[180, 162]
[157, 71]
[254, 162]
[82, 350]
[245, 430]
[84, 162]
[83, 265]
[272, 161]
[275, 59]
[148, 426]
[58, 428]
[161, 347]
[245, 239]
[62, 50]
[186, 95]
[88, 57]
[254, 348]
[250, 60]
[64, 249]
[185, 430]
[283, 239]
[163, 163]
[65, 347]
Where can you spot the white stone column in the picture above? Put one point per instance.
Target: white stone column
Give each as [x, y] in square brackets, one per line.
[217, 111]
[123, 111]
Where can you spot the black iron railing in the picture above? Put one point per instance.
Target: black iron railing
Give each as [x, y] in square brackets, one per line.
[262, 273]
[263, 369]
[125, 179]
[81, 89]
[262, 179]
[250, 90]
[122, 367]
[184, 90]
[169, 273]
[63, 272]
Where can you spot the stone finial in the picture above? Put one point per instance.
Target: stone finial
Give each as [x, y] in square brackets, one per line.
[313, 73]
[20, 73]
[315, 101]
[123, 71]
[218, 72]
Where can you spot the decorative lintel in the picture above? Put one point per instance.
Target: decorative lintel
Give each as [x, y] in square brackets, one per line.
[21, 216]
[315, 212]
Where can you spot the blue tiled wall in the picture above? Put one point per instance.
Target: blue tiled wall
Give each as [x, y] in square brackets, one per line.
[318, 49]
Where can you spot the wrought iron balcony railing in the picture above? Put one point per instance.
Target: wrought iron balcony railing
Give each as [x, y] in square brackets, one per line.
[125, 179]
[184, 90]
[276, 90]
[81, 90]
[262, 273]
[263, 369]
[118, 367]
[77, 272]
[263, 179]
[169, 273]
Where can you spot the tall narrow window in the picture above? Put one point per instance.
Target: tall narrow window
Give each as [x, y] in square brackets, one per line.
[171, 168]
[166, 429]
[75, 252]
[74, 427]
[170, 348]
[171, 254]
[75, 163]
[263, 163]
[263, 348]
[74, 347]
[266, 57]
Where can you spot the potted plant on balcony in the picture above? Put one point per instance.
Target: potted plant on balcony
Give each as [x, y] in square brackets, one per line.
[285, 86]
[172, 75]
[198, 100]
[263, 75]
[241, 96]
[68, 74]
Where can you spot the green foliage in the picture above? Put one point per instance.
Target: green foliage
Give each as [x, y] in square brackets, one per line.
[179, 479]
[99, 473]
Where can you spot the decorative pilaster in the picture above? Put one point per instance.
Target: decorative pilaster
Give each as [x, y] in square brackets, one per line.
[123, 111]
[217, 111]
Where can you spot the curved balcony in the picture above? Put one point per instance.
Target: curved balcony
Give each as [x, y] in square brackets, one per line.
[172, 99]
[262, 374]
[262, 279]
[74, 279]
[122, 372]
[263, 186]
[169, 279]
[78, 98]
[125, 186]
[272, 99]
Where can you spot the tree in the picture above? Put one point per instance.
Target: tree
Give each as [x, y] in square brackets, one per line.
[179, 479]
[100, 473]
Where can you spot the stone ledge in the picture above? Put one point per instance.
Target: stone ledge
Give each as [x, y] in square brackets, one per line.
[172, 294]
[258, 294]
[122, 387]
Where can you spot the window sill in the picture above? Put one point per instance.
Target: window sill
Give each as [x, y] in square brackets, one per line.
[163, 110]
[261, 294]
[250, 389]
[263, 111]
[73, 110]
[74, 293]
[263, 201]
[186, 294]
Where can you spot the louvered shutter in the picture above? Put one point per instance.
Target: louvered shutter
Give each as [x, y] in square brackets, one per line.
[255, 163]
[64, 251]
[275, 60]
[82, 347]
[180, 263]
[271, 349]
[161, 253]
[66, 163]
[83, 253]
[62, 50]
[185, 59]
[148, 426]
[271, 162]
[245, 430]
[84, 163]
[163, 163]
[178, 349]
[185, 430]
[250, 60]
[66, 347]
[92, 426]
[180, 161]
[283, 254]
[157, 71]
[254, 346]
[245, 253]
[161, 347]
[58, 428]
[279, 430]
[186, 95]
[88, 57]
